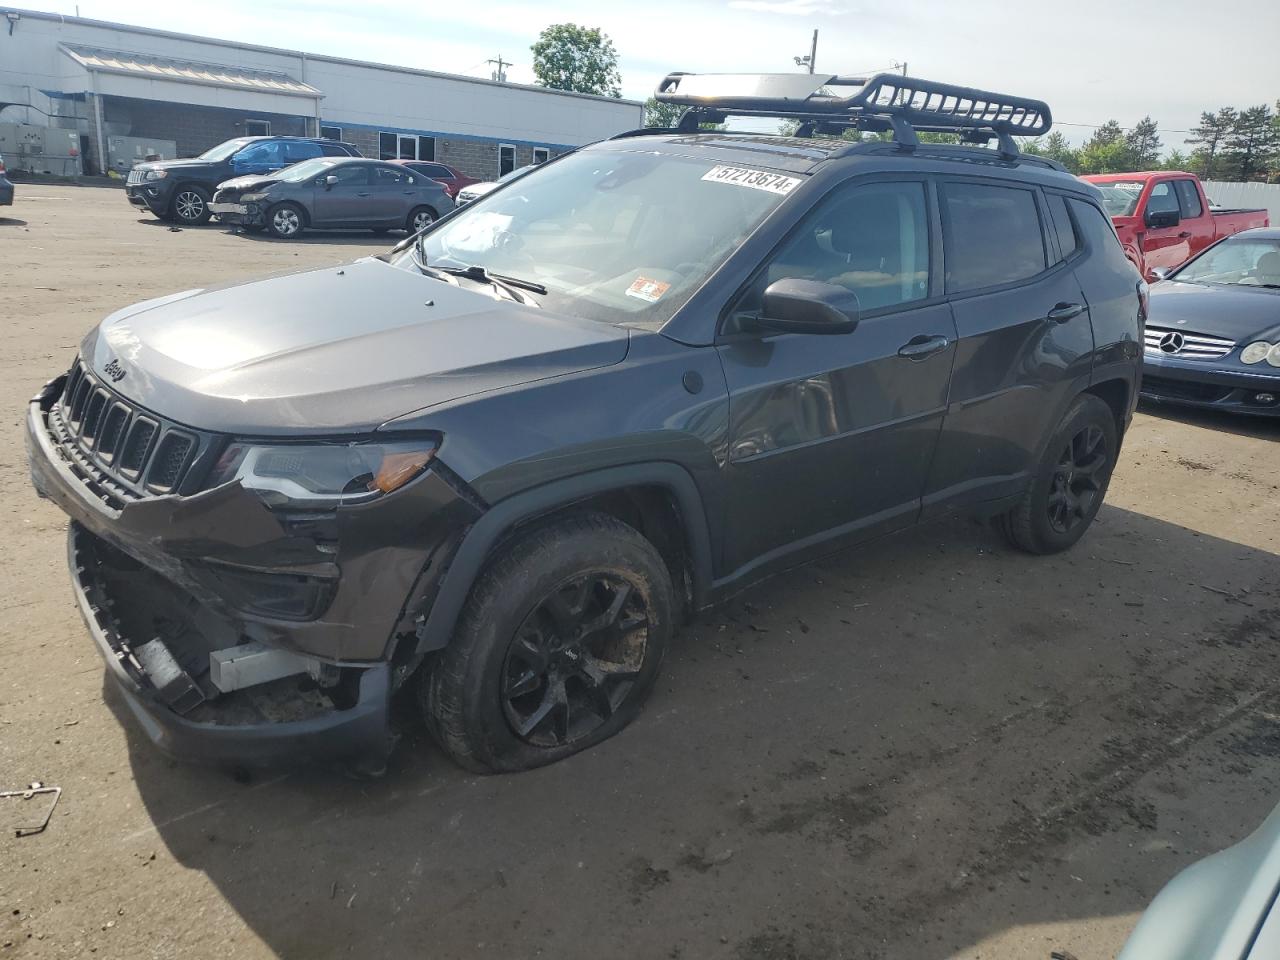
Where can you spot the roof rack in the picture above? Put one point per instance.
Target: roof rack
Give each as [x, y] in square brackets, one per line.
[828, 103]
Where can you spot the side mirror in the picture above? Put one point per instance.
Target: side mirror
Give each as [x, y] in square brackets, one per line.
[1161, 273]
[1162, 218]
[808, 306]
[330, 181]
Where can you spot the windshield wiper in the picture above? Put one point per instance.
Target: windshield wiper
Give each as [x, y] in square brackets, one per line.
[481, 275]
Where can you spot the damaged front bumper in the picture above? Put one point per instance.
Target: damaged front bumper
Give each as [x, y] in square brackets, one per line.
[240, 214]
[287, 719]
[174, 587]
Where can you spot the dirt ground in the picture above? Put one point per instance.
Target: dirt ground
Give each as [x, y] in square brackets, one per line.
[931, 747]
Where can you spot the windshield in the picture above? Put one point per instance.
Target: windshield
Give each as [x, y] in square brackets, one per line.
[613, 236]
[1248, 263]
[306, 169]
[224, 150]
[1120, 198]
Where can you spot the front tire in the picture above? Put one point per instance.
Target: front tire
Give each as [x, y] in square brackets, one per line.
[285, 221]
[1071, 482]
[190, 205]
[558, 645]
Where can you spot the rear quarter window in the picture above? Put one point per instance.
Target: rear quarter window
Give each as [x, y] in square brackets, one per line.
[1062, 226]
[1097, 232]
[993, 236]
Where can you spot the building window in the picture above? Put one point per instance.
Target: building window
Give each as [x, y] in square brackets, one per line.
[257, 128]
[330, 133]
[404, 146]
[506, 159]
[541, 154]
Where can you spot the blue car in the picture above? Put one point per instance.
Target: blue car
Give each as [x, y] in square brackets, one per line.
[1212, 338]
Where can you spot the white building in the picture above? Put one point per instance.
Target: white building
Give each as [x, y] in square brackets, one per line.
[109, 80]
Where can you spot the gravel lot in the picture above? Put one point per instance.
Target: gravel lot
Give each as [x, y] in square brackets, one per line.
[931, 747]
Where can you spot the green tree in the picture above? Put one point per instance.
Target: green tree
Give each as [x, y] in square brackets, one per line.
[1143, 143]
[1106, 151]
[1176, 160]
[581, 59]
[1212, 130]
[659, 114]
[1056, 147]
[1250, 149]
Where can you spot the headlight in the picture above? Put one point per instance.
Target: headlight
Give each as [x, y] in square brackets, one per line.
[323, 474]
[252, 197]
[1255, 352]
[155, 174]
[1273, 355]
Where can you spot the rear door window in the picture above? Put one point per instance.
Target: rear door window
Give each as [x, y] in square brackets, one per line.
[293, 152]
[334, 150]
[993, 235]
[1188, 198]
[390, 177]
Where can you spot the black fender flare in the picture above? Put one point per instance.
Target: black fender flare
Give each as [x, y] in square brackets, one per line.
[477, 545]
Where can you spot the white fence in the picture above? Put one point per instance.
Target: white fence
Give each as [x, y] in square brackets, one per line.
[1246, 195]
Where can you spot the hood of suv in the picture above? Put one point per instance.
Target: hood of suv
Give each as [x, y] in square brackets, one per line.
[334, 350]
[191, 163]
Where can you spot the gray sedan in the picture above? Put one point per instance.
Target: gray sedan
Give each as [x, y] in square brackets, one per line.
[332, 192]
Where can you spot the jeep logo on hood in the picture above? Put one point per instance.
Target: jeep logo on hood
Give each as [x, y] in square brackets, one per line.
[115, 371]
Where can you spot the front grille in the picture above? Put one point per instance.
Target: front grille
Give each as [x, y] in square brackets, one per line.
[1190, 346]
[128, 452]
[135, 176]
[1184, 389]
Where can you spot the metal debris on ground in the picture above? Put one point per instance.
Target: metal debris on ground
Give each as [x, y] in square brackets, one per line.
[36, 789]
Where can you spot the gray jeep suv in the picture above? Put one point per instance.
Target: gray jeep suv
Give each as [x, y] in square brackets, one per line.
[495, 467]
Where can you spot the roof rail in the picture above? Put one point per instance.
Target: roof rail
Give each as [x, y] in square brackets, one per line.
[886, 101]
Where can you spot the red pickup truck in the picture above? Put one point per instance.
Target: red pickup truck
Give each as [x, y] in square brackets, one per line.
[1164, 219]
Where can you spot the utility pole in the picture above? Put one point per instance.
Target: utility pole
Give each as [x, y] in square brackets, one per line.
[500, 74]
[813, 54]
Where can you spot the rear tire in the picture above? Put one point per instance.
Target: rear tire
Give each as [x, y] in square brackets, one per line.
[419, 219]
[190, 206]
[1070, 483]
[558, 645]
[285, 220]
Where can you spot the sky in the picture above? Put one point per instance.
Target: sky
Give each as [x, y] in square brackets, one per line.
[1091, 60]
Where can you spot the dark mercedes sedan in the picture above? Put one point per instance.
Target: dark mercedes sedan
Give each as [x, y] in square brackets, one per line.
[1213, 333]
[332, 192]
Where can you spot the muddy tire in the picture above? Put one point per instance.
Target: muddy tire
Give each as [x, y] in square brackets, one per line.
[1070, 483]
[558, 645]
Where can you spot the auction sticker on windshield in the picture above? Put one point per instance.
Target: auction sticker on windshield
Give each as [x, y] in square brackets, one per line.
[757, 179]
[650, 291]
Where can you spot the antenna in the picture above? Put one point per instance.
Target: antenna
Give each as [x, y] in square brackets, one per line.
[500, 74]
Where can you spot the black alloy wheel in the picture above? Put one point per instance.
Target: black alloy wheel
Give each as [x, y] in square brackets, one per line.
[1077, 482]
[574, 659]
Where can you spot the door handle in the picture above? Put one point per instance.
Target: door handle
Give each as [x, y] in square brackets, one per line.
[365, 194]
[917, 348]
[1184, 235]
[1063, 312]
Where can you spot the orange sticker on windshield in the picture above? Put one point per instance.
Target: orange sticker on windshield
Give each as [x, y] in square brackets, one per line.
[642, 288]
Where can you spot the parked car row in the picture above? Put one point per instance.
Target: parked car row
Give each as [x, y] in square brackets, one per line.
[254, 182]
